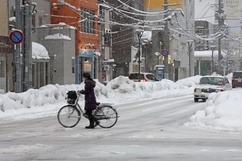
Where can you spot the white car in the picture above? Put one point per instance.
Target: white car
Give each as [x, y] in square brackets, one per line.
[143, 77]
[210, 84]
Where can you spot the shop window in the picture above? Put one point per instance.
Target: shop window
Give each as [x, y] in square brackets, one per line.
[2, 68]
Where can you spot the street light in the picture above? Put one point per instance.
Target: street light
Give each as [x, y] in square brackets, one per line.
[139, 33]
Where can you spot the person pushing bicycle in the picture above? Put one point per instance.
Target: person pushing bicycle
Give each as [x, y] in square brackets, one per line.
[90, 100]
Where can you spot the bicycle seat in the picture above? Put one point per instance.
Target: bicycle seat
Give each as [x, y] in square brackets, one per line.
[98, 103]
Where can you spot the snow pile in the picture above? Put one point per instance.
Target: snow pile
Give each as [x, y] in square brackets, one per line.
[58, 36]
[229, 76]
[122, 85]
[12, 19]
[223, 111]
[49, 94]
[39, 51]
[119, 90]
[190, 82]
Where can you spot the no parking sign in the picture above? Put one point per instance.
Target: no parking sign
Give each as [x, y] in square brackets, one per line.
[164, 52]
[16, 37]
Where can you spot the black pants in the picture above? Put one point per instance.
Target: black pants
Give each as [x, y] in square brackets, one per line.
[90, 117]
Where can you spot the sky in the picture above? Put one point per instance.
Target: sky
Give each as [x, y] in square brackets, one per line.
[205, 9]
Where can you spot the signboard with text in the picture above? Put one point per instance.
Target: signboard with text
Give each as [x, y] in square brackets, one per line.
[232, 9]
[6, 46]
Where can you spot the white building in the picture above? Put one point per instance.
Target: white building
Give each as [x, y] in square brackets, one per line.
[181, 46]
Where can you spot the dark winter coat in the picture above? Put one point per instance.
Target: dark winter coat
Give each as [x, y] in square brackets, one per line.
[90, 99]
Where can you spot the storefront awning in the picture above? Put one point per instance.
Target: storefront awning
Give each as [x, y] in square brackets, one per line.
[39, 52]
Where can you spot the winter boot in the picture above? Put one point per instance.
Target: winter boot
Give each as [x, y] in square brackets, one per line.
[91, 126]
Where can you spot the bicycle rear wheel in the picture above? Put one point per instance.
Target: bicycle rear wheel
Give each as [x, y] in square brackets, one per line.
[107, 116]
[69, 116]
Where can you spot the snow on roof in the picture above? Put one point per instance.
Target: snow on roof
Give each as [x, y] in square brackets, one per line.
[109, 61]
[12, 19]
[58, 36]
[39, 51]
[104, 5]
[207, 53]
[97, 53]
[60, 25]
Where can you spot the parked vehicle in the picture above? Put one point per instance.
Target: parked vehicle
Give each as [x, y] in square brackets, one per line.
[143, 77]
[237, 79]
[210, 84]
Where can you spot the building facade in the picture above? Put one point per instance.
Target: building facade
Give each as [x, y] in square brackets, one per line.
[204, 29]
[81, 15]
[123, 34]
[6, 52]
[180, 46]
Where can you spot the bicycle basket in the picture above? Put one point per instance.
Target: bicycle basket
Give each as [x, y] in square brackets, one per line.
[71, 97]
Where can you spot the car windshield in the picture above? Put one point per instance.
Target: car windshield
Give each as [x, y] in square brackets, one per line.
[212, 80]
[151, 77]
[136, 76]
[237, 74]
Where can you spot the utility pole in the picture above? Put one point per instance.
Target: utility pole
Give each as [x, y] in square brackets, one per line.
[190, 45]
[17, 57]
[167, 70]
[27, 48]
[220, 24]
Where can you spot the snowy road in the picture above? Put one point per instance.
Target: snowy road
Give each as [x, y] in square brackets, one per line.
[146, 130]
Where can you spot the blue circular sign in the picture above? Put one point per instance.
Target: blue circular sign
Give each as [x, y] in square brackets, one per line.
[164, 52]
[16, 37]
[221, 57]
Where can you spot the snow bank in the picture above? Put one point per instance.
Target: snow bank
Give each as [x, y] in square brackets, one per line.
[190, 82]
[49, 94]
[223, 111]
[119, 90]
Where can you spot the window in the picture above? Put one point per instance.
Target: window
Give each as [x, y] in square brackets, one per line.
[88, 25]
[212, 80]
[237, 74]
[136, 76]
[2, 68]
[151, 77]
[33, 23]
[40, 20]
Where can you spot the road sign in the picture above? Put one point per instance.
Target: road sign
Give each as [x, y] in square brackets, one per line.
[221, 57]
[164, 52]
[16, 37]
[224, 63]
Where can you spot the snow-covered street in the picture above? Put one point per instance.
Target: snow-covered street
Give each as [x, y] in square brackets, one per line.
[146, 130]
[158, 121]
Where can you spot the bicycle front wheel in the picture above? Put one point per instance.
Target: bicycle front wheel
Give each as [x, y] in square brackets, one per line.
[107, 116]
[69, 116]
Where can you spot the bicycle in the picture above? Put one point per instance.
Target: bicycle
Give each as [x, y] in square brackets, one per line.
[70, 115]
